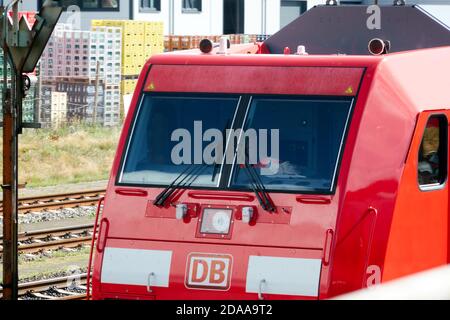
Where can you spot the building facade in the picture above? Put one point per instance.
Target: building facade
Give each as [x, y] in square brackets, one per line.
[199, 17]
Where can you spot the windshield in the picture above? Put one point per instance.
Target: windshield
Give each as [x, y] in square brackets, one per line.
[310, 135]
[163, 122]
[291, 143]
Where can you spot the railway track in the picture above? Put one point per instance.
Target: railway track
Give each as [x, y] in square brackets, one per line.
[52, 239]
[58, 201]
[62, 288]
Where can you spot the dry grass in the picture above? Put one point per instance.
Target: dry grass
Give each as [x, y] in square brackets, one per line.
[67, 155]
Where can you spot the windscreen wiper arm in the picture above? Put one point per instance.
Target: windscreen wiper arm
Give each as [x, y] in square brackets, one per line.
[191, 171]
[259, 189]
[258, 186]
[216, 164]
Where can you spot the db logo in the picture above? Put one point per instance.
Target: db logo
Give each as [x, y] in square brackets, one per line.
[209, 271]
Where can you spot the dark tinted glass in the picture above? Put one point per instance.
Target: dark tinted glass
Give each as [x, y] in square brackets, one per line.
[432, 164]
[149, 160]
[310, 135]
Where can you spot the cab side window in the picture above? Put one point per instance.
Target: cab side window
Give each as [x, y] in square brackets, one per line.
[432, 165]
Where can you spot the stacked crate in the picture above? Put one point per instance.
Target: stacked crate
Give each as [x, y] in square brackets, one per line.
[140, 40]
[174, 43]
[128, 86]
[58, 109]
[81, 98]
[154, 38]
[106, 47]
[66, 54]
[45, 111]
[70, 59]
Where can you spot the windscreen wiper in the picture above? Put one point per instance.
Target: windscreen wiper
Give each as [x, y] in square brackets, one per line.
[189, 172]
[259, 189]
[258, 186]
[216, 164]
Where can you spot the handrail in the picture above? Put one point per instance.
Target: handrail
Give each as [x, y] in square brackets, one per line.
[88, 279]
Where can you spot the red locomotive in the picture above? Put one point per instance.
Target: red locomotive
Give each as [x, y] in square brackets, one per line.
[360, 191]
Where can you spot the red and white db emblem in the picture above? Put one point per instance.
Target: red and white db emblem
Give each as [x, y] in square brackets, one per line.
[209, 271]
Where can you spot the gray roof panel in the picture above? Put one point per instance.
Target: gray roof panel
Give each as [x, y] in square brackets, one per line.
[343, 29]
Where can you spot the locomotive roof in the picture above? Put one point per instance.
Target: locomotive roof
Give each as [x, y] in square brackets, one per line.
[344, 29]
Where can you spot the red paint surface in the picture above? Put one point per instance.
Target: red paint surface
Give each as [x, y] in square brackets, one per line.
[238, 79]
[377, 217]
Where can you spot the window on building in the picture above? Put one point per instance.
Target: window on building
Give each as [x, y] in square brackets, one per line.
[291, 10]
[90, 5]
[192, 5]
[432, 164]
[150, 5]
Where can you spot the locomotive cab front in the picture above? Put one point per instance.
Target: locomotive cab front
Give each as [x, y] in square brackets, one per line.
[227, 188]
[270, 176]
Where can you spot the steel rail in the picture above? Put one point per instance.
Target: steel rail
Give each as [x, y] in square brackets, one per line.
[38, 288]
[58, 201]
[36, 241]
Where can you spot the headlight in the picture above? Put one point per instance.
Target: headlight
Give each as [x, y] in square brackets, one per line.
[216, 221]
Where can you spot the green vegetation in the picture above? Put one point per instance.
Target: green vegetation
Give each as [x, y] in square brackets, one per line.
[66, 155]
[57, 265]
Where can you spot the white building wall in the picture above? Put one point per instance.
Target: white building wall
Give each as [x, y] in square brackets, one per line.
[207, 22]
[85, 17]
[163, 15]
[273, 16]
[253, 23]
[262, 16]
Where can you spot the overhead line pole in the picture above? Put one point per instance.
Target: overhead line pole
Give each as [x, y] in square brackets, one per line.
[11, 101]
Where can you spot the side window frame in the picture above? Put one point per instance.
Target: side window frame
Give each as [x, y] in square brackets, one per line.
[443, 153]
[195, 9]
[148, 9]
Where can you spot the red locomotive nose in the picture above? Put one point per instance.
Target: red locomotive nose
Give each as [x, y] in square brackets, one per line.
[353, 191]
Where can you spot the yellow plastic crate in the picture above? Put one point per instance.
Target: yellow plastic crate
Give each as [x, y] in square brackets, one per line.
[133, 40]
[158, 49]
[134, 27]
[133, 64]
[140, 39]
[149, 28]
[159, 28]
[107, 23]
[151, 39]
[129, 70]
[153, 49]
[128, 86]
[128, 27]
[154, 27]
[132, 51]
